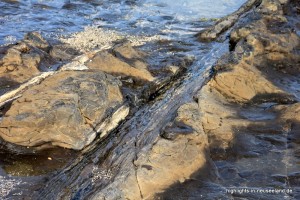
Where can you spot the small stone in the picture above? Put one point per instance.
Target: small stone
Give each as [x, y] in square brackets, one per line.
[173, 69]
[10, 67]
[182, 180]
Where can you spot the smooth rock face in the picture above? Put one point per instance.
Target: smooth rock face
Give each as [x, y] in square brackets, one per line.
[126, 62]
[64, 110]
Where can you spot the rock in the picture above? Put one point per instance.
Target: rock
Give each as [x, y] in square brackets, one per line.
[217, 117]
[240, 121]
[258, 49]
[23, 60]
[252, 73]
[242, 83]
[125, 62]
[35, 39]
[170, 161]
[127, 53]
[64, 110]
[272, 7]
[245, 30]
[243, 120]
[225, 23]
[173, 69]
[249, 109]
[19, 63]
[63, 52]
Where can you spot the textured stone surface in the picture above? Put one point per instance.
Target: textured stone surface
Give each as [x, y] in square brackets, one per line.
[172, 161]
[225, 23]
[249, 111]
[21, 61]
[124, 61]
[64, 110]
[241, 130]
[264, 56]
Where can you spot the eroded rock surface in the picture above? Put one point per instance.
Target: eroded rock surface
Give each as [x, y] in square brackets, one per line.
[241, 130]
[249, 110]
[122, 60]
[28, 58]
[225, 23]
[174, 157]
[64, 110]
[19, 63]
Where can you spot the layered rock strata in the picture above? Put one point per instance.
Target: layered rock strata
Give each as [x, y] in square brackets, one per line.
[246, 113]
[64, 110]
[63, 106]
[65, 100]
[249, 110]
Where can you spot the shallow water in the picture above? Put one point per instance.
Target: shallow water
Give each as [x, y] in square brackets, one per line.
[57, 17]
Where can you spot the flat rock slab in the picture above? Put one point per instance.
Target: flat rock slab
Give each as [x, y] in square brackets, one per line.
[64, 110]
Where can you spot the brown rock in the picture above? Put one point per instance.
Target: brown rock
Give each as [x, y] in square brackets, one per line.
[22, 61]
[18, 66]
[64, 110]
[35, 39]
[63, 52]
[218, 117]
[127, 62]
[260, 69]
[171, 161]
[238, 118]
[272, 7]
[225, 23]
[126, 51]
[130, 55]
[243, 83]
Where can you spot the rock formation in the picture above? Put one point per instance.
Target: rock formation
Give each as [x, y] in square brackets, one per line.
[64, 110]
[112, 62]
[29, 58]
[71, 104]
[246, 111]
[249, 108]
[241, 129]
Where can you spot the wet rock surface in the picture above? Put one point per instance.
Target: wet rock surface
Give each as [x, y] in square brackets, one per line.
[186, 137]
[74, 106]
[114, 62]
[170, 160]
[28, 58]
[67, 107]
[249, 111]
[226, 23]
[63, 110]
